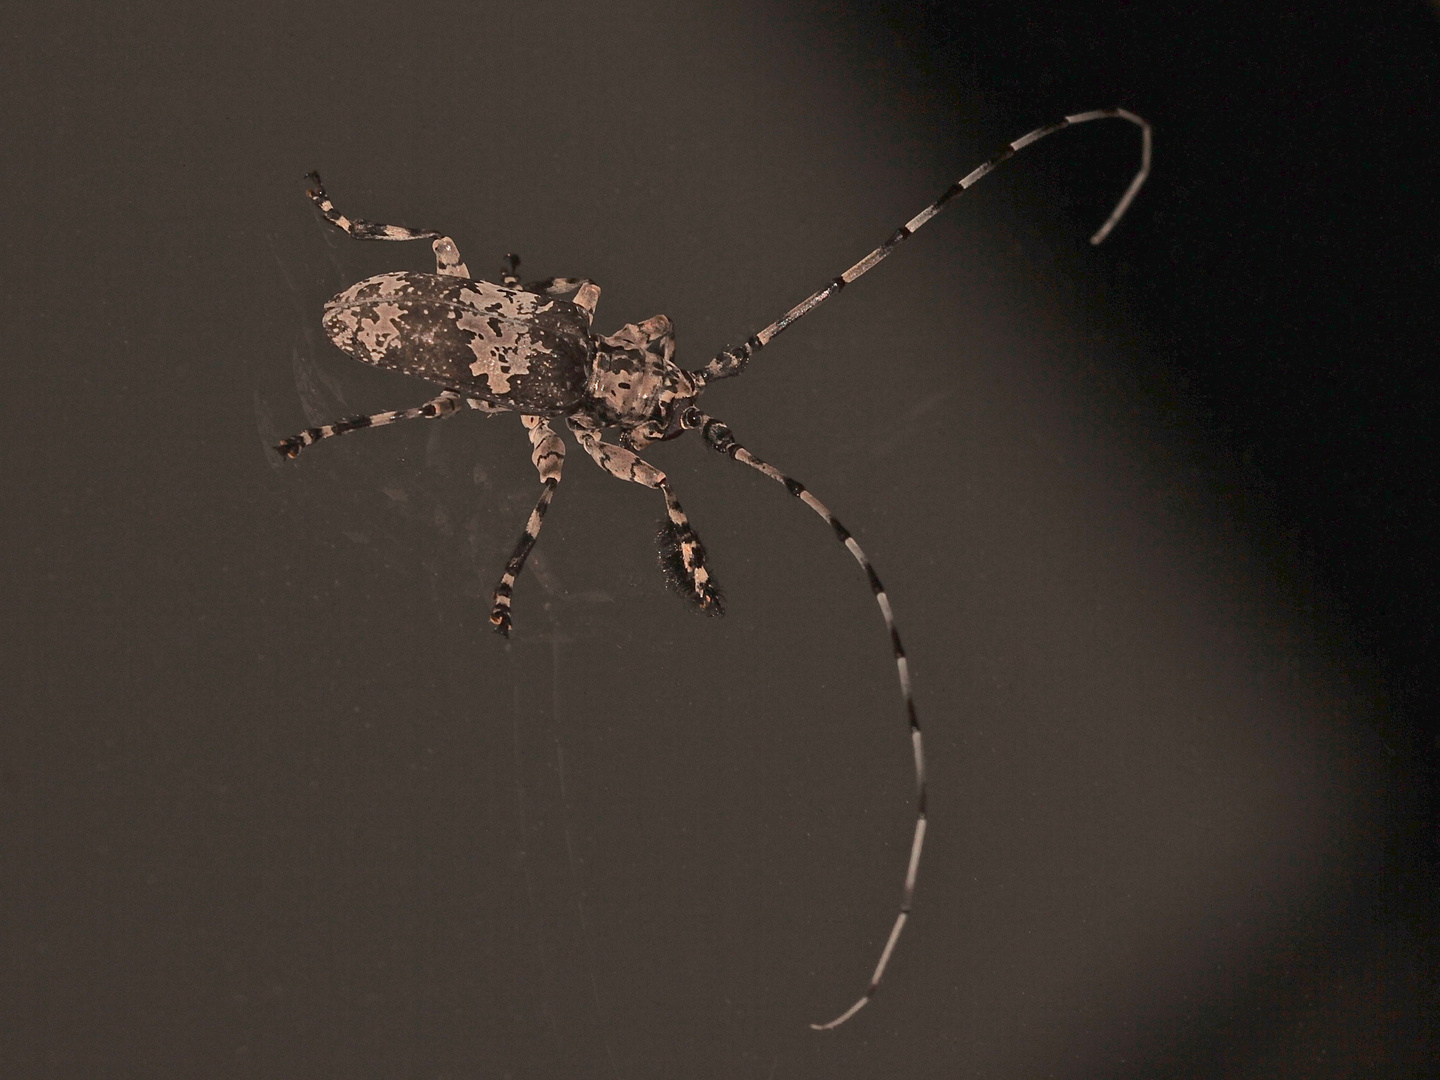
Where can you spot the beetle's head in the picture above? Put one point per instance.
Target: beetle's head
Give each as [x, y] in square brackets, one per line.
[637, 386]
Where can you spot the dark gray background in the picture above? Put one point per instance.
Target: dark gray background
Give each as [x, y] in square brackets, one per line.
[1156, 519]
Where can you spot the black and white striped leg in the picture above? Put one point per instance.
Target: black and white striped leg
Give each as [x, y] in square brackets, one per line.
[436, 408]
[586, 294]
[582, 292]
[447, 258]
[447, 255]
[682, 555]
[719, 437]
[549, 457]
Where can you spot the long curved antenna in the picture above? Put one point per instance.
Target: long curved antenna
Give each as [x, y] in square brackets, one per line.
[732, 361]
[719, 437]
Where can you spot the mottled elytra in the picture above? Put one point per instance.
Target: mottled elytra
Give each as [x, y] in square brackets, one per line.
[529, 349]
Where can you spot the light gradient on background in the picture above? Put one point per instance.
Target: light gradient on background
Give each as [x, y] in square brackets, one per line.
[277, 802]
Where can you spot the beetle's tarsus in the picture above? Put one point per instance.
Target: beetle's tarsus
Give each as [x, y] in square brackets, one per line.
[682, 557]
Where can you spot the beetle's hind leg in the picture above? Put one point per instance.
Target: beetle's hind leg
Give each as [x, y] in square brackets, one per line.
[356, 227]
[434, 409]
[682, 555]
[447, 255]
[549, 458]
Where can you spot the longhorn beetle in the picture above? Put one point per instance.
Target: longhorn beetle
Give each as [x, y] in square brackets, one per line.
[529, 349]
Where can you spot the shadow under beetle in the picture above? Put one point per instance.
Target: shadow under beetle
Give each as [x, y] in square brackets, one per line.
[528, 348]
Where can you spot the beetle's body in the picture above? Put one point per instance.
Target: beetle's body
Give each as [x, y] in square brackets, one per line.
[529, 349]
[515, 349]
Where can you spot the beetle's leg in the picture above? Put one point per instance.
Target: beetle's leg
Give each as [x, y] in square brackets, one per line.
[549, 457]
[681, 554]
[361, 230]
[486, 407]
[435, 408]
[447, 258]
[447, 255]
[720, 439]
[586, 292]
[507, 271]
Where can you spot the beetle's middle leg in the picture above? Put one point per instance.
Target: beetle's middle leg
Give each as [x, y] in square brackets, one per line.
[549, 458]
[434, 409]
[447, 255]
[682, 555]
[582, 292]
[507, 271]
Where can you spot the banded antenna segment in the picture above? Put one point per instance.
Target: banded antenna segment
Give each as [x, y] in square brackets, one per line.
[732, 361]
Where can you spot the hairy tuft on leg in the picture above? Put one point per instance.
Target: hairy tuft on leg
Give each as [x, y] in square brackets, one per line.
[682, 557]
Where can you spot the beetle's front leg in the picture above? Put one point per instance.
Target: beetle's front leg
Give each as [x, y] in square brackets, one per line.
[447, 255]
[682, 555]
[549, 458]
